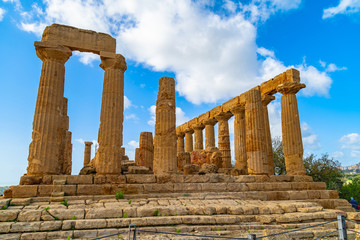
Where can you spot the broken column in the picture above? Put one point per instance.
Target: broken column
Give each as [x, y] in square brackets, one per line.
[87, 153]
[109, 156]
[256, 150]
[66, 146]
[146, 150]
[224, 138]
[209, 134]
[189, 140]
[240, 138]
[266, 99]
[165, 157]
[198, 132]
[45, 148]
[291, 132]
[180, 142]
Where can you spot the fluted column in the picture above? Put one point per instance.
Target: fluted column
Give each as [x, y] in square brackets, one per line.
[240, 138]
[189, 140]
[291, 132]
[256, 150]
[146, 150]
[198, 130]
[180, 142]
[108, 156]
[165, 157]
[224, 138]
[209, 134]
[46, 146]
[87, 153]
[266, 99]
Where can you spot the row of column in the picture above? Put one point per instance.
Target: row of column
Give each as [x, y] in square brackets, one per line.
[252, 138]
[50, 149]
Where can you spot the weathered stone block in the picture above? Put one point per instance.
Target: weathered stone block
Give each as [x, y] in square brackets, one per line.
[8, 215]
[118, 222]
[29, 216]
[30, 180]
[298, 195]
[85, 234]
[21, 201]
[50, 226]
[314, 194]
[101, 213]
[303, 178]
[47, 180]
[90, 224]
[67, 214]
[139, 170]
[94, 189]
[23, 191]
[45, 190]
[281, 178]
[187, 187]
[237, 187]
[143, 178]
[25, 227]
[59, 234]
[79, 179]
[213, 187]
[158, 188]
[31, 236]
[245, 179]
[277, 195]
[59, 177]
[316, 185]
[196, 179]
[5, 227]
[191, 169]
[127, 188]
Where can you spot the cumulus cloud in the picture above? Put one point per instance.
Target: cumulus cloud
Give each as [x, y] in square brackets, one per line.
[152, 110]
[214, 55]
[344, 7]
[338, 155]
[127, 103]
[310, 140]
[2, 13]
[180, 116]
[350, 141]
[274, 111]
[130, 149]
[131, 116]
[86, 58]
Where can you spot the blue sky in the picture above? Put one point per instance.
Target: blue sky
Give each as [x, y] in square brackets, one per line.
[215, 50]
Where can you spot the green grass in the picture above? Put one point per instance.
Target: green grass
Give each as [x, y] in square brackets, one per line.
[119, 195]
[156, 213]
[65, 203]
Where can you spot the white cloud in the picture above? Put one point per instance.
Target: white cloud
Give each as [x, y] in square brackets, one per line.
[130, 149]
[152, 110]
[180, 116]
[86, 58]
[333, 68]
[131, 116]
[355, 153]
[344, 7]
[274, 111]
[310, 140]
[80, 140]
[338, 155]
[2, 13]
[127, 103]
[350, 141]
[265, 52]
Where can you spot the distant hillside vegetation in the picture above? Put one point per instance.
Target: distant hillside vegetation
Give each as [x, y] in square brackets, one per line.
[2, 189]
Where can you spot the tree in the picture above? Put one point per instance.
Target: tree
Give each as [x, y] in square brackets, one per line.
[351, 190]
[323, 169]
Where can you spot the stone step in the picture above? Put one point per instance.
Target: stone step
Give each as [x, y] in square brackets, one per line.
[230, 230]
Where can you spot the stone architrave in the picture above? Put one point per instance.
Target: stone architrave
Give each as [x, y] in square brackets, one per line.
[256, 150]
[198, 134]
[46, 146]
[266, 99]
[209, 134]
[146, 150]
[189, 140]
[165, 157]
[108, 157]
[180, 142]
[291, 131]
[87, 153]
[224, 138]
[240, 138]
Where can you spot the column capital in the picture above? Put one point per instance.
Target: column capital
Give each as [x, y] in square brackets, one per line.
[198, 126]
[189, 130]
[180, 134]
[290, 87]
[118, 62]
[54, 52]
[237, 109]
[266, 99]
[210, 121]
[224, 116]
[88, 143]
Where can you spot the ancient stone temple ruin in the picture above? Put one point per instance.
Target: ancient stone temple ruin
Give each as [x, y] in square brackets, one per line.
[180, 178]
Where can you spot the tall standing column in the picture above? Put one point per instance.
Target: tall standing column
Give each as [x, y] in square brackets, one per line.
[146, 150]
[291, 131]
[109, 156]
[224, 138]
[46, 146]
[256, 150]
[240, 138]
[198, 130]
[266, 99]
[87, 153]
[180, 142]
[189, 140]
[165, 157]
[209, 133]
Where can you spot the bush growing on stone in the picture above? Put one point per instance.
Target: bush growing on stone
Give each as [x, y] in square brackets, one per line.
[125, 215]
[65, 203]
[119, 195]
[156, 213]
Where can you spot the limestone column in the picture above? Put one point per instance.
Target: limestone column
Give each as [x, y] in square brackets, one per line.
[87, 153]
[266, 99]
[180, 142]
[109, 156]
[224, 138]
[189, 140]
[256, 151]
[66, 146]
[45, 148]
[198, 130]
[209, 134]
[165, 157]
[291, 132]
[146, 150]
[137, 150]
[240, 138]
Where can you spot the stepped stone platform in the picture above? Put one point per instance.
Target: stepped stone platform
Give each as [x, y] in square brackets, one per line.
[85, 206]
